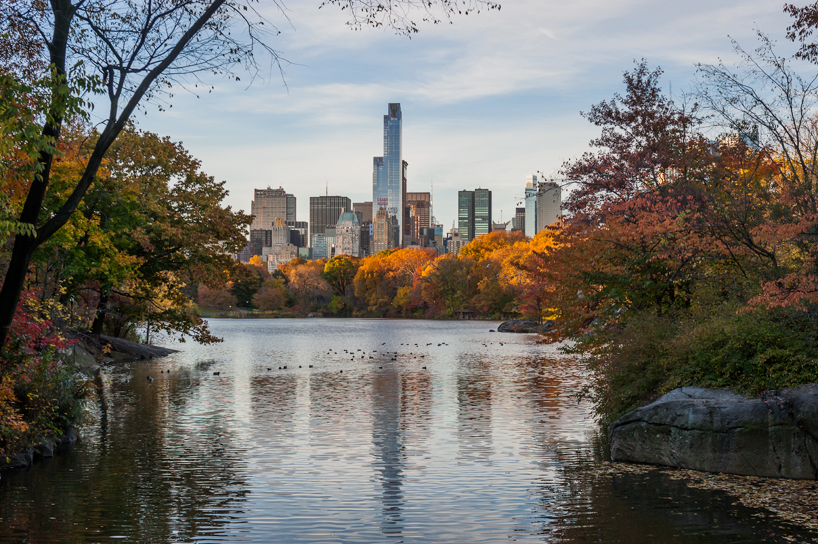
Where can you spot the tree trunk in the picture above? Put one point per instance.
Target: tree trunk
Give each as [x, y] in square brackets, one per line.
[102, 310]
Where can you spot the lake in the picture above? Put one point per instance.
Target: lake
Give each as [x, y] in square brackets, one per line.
[401, 431]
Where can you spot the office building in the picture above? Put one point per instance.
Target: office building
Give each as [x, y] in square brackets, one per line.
[519, 220]
[549, 205]
[299, 233]
[259, 239]
[366, 211]
[465, 215]
[482, 212]
[319, 246]
[389, 172]
[348, 235]
[269, 204]
[324, 212]
[531, 183]
[456, 242]
[419, 206]
[383, 231]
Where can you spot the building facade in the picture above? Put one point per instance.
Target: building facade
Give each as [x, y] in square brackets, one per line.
[269, 204]
[348, 235]
[299, 233]
[456, 242]
[482, 212]
[531, 183]
[324, 212]
[465, 215]
[420, 213]
[549, 205]
[389, 171]
[366, 211]
[383, 231]
[519, 220]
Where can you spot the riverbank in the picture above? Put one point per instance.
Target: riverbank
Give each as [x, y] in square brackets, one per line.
[88, 355]
[792, 501]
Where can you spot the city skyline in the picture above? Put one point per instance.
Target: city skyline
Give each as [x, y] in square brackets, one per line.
[489, 99]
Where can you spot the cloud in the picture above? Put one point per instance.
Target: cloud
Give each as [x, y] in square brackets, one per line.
[486, 100]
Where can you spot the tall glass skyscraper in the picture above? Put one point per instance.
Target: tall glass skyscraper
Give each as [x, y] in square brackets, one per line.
[482, 212]
[388, 171]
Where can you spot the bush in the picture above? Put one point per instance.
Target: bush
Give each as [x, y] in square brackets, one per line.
[748, 352]
[39, 392]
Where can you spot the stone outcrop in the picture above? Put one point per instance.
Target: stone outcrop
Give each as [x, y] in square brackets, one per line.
[521, 325]
[47, 448]
[775, 435]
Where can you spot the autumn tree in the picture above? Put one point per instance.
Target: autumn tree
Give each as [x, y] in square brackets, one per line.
[125, 53]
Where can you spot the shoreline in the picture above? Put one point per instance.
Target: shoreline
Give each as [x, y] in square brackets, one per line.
[89, 354]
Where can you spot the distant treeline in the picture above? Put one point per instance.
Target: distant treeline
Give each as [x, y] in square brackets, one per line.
[495, 276]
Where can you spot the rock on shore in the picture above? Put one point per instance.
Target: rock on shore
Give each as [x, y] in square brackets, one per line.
[775, 435]
[521, 325]
[47, 448]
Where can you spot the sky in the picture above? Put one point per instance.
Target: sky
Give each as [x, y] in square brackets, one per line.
[486, 100]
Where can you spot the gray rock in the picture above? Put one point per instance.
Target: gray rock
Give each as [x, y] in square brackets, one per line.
[775, 435]
[525, 326]
[18, 460]
[65, 441]
[44, 450]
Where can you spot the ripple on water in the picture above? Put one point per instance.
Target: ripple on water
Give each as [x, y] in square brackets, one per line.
[487, 444]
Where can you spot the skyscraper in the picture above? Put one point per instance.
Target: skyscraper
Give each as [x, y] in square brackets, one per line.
[420, 207]
[519, 220]
[389, 171]
[324, 212]
[482, 212]
[549, 204]
[531, 183]
[465, 215]
[268, 204]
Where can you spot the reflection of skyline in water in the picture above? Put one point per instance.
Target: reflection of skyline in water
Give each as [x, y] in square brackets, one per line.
[486, 444]
[386, 439]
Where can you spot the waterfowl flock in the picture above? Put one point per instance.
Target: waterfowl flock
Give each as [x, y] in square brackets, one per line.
[373, 355]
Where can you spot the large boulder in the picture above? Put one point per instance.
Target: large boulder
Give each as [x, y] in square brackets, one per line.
[775, 435]
[522, 325]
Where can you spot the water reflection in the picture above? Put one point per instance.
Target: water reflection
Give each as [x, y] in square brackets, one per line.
[488, 443]
[387, 422]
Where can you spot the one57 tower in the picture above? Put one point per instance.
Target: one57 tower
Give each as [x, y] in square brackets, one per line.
[389, 179]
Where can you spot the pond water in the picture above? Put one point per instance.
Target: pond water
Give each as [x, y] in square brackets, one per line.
[487, 443]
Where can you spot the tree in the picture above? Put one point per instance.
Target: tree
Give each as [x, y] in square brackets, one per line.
[308, 286]
[340, 272]
[271, 296]
[130, 51]
[771, 108]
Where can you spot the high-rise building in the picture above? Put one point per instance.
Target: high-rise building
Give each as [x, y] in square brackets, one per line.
[324, 212]
[519, 220]
[456, 242]
[549, 204]
[299, 233]
[531, 183]
[465, 215]
[268, 204]
[259, 239]
[389, 171]
[348, 235]
[383, 236]
[482, 212]
[420, 208]
[366, 211]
